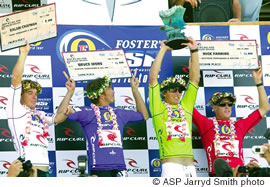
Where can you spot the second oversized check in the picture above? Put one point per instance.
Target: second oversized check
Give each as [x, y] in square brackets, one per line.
[89, 65]
[232, 54]
[32, 25]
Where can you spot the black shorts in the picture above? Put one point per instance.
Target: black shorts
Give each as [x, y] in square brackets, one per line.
[105, 173]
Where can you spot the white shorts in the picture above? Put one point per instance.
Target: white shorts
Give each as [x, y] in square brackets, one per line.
[170, 169]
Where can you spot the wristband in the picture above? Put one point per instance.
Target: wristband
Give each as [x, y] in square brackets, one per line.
[260, 84]
[194, 50]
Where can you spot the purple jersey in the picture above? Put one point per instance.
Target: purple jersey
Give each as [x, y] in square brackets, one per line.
[106, 158]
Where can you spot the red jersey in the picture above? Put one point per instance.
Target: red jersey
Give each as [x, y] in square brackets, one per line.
[207, 133]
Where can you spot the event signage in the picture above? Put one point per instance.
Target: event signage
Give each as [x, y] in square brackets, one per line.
[89, 65]
[236, 54]
[32, 25]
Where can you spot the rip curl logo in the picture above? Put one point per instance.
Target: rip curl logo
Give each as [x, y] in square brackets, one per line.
[252, 131]
[176, 128]
[69, 132]
[5, 164]
[249, 99]
[227, 146]
[112, 136]
[3, 100]
[39, 136]
[79, 40]
[132, 163]
[34, 68]
[185, 68]
[243, 36]
[196, 163]
[130, 131]
[111, 5]
[70, 164]
[5, 132]
[128, 100]
[252, 159]
[3, 69]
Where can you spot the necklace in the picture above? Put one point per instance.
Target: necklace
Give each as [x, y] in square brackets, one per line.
[45, 132]
[98, 117]
[169, 127]
[232, 136]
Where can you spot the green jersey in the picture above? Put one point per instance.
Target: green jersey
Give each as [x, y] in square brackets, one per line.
[175, 147]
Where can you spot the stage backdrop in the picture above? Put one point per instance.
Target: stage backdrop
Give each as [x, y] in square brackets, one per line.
[141, 45]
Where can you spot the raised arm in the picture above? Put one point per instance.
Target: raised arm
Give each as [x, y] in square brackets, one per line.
[155, 69]
[140, 105]
[19, 67]
[64, 109]
[194, 66]
[264, 106]
[236, 8]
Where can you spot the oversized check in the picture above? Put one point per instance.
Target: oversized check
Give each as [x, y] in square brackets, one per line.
[233, 54]
[32, 25]
[89, 65]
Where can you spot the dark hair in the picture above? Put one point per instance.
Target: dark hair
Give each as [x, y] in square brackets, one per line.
[94, 85]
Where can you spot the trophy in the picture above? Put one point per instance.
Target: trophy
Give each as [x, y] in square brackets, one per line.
[173, 24]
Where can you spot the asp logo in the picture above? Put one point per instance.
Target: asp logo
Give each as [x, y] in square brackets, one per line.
[3, 69]
[208, 37]
[79, 40]
[5, 132]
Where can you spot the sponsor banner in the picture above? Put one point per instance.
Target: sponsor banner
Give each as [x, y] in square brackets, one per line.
[5, 161]
[112, 12]
[241, 54]
[140, 48]
[266, 70]
[135, 136]
[209, 91]
[24, 5]
[51, 138]
[267, 90]
[7, 64]
[124, 98]
[44, 101]
[196, 138]
[151, 135]
[200, 162]
[249, 156]
[52, 164]
[67, 163]
[246, 32]
[217, 78]
[5, 6]
[200, 101]
[137, 163]
[243, 77]
[31, 25]
[154, 163]
[6, 143]
[59, 94]
[181, 69]
[265, 39]
[69, 136]
[4, 95]
[246, 100]
[255, 135]
[38, 68]
[215, 33]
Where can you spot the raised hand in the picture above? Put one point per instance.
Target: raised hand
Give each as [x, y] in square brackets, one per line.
[70, 84]
[134, 82]
[192, 44]
[25, 49]
[257, 75]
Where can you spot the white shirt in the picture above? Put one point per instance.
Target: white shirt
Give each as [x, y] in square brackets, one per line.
[37, 148]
